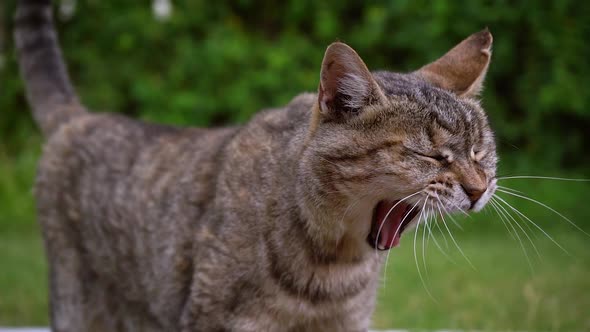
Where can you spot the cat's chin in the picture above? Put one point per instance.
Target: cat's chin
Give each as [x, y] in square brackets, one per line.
[390, 219]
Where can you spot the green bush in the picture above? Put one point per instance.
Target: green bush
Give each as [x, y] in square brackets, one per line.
[216, 62]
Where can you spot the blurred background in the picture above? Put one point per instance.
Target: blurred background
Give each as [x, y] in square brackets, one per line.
[204, 63]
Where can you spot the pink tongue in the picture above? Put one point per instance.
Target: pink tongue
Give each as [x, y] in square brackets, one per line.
[390, 227]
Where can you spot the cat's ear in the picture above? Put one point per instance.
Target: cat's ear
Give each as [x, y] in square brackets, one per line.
[462, 69]
[346, 84]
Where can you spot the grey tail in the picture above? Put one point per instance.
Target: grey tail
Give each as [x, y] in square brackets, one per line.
[49, 90]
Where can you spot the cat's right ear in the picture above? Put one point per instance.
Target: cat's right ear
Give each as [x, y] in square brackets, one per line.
[462, 70]
[346, 84]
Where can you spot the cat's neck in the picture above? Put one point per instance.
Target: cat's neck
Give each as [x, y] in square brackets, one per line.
[335, 224]
[268, 157]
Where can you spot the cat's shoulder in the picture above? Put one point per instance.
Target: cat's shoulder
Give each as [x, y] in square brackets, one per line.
[290, 116]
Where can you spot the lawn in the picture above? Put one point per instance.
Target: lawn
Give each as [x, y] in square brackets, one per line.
[501, 293]
[504, 290]
[23, 280]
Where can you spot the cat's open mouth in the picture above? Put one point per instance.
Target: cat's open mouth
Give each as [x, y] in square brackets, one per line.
[390, 219]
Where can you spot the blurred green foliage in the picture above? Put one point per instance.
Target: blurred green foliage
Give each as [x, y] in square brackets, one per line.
[218, 62]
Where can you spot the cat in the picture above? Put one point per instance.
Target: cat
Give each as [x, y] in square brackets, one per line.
[280, 224]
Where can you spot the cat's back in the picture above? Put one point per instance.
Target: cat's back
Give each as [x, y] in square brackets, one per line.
[115, 147]
[129, 193]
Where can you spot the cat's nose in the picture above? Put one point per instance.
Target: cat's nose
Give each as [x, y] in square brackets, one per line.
[473, 192]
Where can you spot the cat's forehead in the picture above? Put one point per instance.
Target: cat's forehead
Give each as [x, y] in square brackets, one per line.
[397, 83]
[436, 115]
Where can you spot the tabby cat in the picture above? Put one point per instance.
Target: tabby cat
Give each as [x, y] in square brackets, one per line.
[281, 224]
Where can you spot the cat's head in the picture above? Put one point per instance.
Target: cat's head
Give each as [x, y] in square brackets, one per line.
[398, 144]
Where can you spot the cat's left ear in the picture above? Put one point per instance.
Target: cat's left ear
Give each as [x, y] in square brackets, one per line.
[346, 84]
[462, 70]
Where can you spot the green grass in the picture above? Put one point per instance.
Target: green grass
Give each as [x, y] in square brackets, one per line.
[503, 292]
[17, 174]
[23, 282]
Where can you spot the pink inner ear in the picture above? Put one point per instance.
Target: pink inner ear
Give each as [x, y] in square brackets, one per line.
[344, 75]
[324, 98]
[331, 73]
[463, 68]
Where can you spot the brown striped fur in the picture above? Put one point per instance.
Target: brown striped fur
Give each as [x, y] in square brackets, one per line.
[261, 227]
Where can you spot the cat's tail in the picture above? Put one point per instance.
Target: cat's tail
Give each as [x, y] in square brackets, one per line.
[49, 90]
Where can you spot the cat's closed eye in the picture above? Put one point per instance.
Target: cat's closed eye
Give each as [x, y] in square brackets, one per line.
[432, 156]
[477, 154]
[438, 157]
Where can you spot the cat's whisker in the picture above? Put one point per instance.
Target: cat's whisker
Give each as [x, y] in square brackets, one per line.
[427, 229]
[515, 236]
[528, 226]
[541, 178]
[493, 204]
[532, 222]
[460, 209]
[440, 230]
[438, 225]
[526, 255]
[387, 215]
[451, 235]
[417, 265]
[547, 207]
[451, 217]
[510, 189]
[432, 217]
[519, 217]
[420, 221]
[522, 229]
[423, 235]
[394, 235]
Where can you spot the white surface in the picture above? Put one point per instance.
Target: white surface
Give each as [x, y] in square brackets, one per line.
[43, 329]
